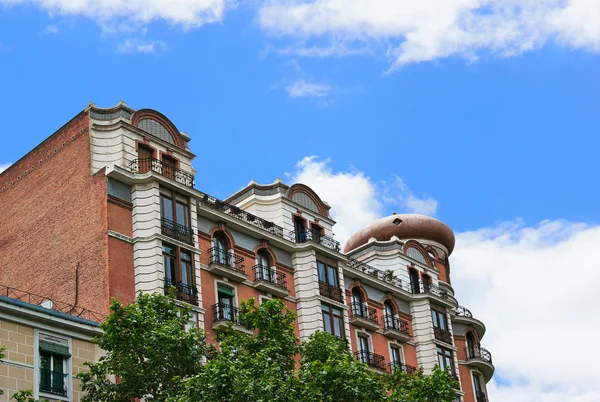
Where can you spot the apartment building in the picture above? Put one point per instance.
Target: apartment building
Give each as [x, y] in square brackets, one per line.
[108, 206]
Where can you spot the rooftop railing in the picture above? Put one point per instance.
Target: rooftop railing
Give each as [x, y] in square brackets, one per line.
[315, 236]
[51, 304]
[242, 215]
[162, 168]
[463, 311]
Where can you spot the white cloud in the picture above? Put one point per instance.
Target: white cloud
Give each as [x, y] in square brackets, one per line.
[302, 89]
[132, 45]
[535, 289]
[51, 29]
[356, 200]
[416, 31]
[4, 166]
[187, 13]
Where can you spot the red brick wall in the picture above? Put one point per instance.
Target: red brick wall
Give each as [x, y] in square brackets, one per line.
[120, 253]
[53, 218]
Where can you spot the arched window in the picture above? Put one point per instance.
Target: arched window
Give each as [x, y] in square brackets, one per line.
[471, 345]
[389, 319]
[416, 254]
[432, 257]
[220, 248]
[357, 303]
[263, 269]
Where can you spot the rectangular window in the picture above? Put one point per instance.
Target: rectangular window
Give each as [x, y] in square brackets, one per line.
[53, 360]
[226, 308]
[396, 355]
[414, 280]
[363, 347]
[328, 274]
[445, 359]
[179, 272]
[439, 319]
[166, 207]
[333, 320]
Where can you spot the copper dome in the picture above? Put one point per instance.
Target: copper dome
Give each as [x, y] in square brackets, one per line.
[405, 226]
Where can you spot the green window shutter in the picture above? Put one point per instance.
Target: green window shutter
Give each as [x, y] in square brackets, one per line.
[225, 290]
[55, 348]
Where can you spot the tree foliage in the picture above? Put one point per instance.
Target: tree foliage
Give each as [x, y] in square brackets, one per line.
[154, 356]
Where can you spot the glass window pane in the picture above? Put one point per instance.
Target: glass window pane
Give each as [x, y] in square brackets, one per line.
[337, 327]
[327, 323]
[166, 208]
[325, 307]
[337, 312]
[435, 318]
[182, 214]
[322, 273]
[332, 276]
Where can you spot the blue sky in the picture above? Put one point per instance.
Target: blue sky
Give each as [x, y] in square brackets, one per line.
[485, 117]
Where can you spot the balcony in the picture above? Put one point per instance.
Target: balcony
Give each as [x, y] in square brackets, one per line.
[270, 281]
[364, 316]
[396, 328]
[183, 292]
[373, 272]
[464, 316]
[242, 215]
[405, 368]
[480, 358]
[164, 169]
[312, 235]
[176, 231]
[442, 335]
[480, 397]
[373, 360]
[53, 382]
[225, 315]
[226, 264]
[435, 290]
[330, 291]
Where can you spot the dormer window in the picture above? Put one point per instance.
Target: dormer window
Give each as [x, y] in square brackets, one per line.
[155, 128]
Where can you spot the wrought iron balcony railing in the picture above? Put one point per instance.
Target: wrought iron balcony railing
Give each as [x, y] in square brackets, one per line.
[388, 277]
[226, 312]
[184, 292]
[480, 396]
[362, 311]
[242, 215]
[442, 335]
[463, 311]
[406, 368]
[164, 169]
[434, 290]
[226, 259]
[266, 274]
[176, 231]
[53, 382]
[330, 291]
[51, 304]
[478, 353]
[391, 322]
[316, 237]
[372, 359]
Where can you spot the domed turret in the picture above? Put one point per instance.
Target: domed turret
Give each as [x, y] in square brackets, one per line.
[404, 226]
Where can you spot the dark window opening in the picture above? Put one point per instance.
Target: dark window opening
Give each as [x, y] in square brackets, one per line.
[414, 280]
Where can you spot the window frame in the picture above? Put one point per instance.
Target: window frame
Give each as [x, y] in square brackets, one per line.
[178, 279]
[330, 316]
[327, 274]
[48, 336]
[176, 199]
[445, 353]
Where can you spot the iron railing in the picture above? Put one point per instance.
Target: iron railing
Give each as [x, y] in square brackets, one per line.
[176, 231]
[434, 290]
[442, 335]
[226, 259]
[226, 312]
[478, 353]
[330, 291]
[406, 368]
[362, 311]
[164, 169]
[388, 277]
[480, 396]
[51, 304]
[184, 292]
[242, 215]
[265, 274]
[391, 322]
[372, 359]
[53, 382]
[463, 311]
[315, 236]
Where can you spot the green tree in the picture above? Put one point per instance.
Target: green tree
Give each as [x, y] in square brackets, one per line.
[156, 358]
[149, 347]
